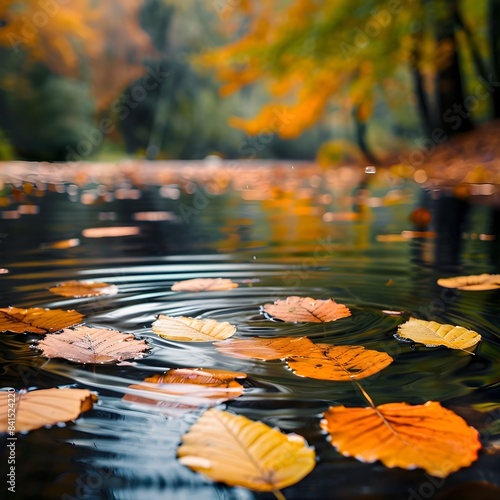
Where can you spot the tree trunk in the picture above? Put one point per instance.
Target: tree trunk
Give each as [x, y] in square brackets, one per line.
[494, 28]
[361, 137]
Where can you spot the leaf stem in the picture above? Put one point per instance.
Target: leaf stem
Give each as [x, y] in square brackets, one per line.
[279, 495]
[365, 394]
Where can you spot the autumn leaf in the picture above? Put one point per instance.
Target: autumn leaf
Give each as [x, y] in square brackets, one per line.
[111, 232]
[185, 389]
[35, 409]
[83, 289]
[472, 283]
[37, 319]
[267, 348]
[204, 285]
[92, 345]
[339, 363]
[185, 329]
[401, 435]
[434, 334]
[306, 310]
[241, 452]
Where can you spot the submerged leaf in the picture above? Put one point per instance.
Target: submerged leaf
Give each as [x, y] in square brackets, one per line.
[401, 435]
[306, 310]
[473, 282]
[37, 319]
[37, 409]
[92, 345]
[204, 285]
[340, 363]
[240, 452]
[185, 329]
[186, 389]
[434, 334]
[83, 289]
[267, 348]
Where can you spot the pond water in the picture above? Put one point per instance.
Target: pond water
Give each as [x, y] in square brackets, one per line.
[277, 229]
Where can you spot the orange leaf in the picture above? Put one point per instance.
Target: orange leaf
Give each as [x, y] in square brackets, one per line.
[401, 435]
[37, 319]
[339, 363]
[83, 289]
[111, 232]
[473, 283]
[240, 452]
[204, 285]
[35, 409]
[92, 345]
[185, 329]
[306, 310]
[267, 348]
[187, 389]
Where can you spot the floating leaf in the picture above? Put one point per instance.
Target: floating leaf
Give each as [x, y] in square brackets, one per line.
[434, 334]
[204, 285]
[92, 345]
[267, 348]
[110, 232]
[240, 452]
[37, 319]
[340, 363]
[185, 329]
[473, 283]
[401, 435]
[306, 310]
[184, 389]
[37, 409]
[83, 289]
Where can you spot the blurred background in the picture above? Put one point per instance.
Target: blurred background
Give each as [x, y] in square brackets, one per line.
[341, 81]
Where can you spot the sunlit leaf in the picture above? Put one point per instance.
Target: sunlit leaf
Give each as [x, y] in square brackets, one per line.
[400, 435]
[339, 363]
[434, 334]
[306, 310]
[240, 452]
[204, 285]
[267, 348]
[185, 329]
[92, 345]
[37, 319]
[37, 409]
[473, 283]
[185, 389]
[83, 289]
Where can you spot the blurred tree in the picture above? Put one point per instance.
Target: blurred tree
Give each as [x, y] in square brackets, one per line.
[310, 53]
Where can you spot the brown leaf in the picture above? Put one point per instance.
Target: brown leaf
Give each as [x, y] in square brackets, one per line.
[35, 409]
[240, 452]
[37, 320]
[340, 363]
[267, 348]
[92, 345]
[185, 329]
[472, 283]
[184, 389]
[306, 310]
[401, 435]
[83, 289]
[204, 285]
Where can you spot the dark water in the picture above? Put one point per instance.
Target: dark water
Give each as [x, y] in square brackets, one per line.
[278, 230]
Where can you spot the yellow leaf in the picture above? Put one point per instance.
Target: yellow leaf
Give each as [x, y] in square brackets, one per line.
[185, 329]
[434, 334]
[204, 285]
[401, 435]
[36, 409]
[340, 363]
[241, 452]
[472, 283]
[306, 310]
[37, 319]
[92, 345]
